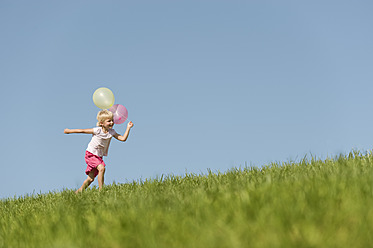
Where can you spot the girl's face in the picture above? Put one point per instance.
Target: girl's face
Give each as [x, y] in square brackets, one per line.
[108, 124]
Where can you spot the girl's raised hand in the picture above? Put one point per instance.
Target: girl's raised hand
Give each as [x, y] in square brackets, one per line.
[130, 124]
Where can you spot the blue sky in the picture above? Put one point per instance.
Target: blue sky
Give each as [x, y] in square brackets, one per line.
[208, 85]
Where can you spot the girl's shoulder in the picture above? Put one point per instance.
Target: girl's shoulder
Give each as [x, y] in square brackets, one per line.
[100, 131]
[97, 130]
[112, 131]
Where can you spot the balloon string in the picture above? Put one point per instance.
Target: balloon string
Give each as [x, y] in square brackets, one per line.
[124, 121]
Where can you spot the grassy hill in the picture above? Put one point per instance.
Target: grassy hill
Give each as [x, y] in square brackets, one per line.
[312, 203]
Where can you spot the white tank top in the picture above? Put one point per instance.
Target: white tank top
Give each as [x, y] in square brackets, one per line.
[100, 141]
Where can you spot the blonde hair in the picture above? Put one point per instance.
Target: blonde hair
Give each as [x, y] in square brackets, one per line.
[104, 115]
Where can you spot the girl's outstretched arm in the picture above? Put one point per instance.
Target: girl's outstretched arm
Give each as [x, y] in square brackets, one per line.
[126, 133]
[87, 131]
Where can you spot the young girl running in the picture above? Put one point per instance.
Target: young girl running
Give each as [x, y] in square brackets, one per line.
[99, 146]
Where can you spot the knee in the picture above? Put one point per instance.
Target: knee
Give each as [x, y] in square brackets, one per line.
[101, 169]
[90, 180]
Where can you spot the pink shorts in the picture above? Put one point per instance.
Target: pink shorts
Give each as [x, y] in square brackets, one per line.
[92, 162]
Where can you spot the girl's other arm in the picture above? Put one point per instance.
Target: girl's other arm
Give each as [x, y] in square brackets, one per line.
[125, 135]
[87, 131]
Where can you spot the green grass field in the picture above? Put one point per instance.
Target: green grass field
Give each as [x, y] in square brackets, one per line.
[311, 203]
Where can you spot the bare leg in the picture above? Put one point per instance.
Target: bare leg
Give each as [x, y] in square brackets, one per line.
[100, 176]
[87, 182]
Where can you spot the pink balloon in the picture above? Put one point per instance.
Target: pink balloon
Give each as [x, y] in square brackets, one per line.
[120, 113]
